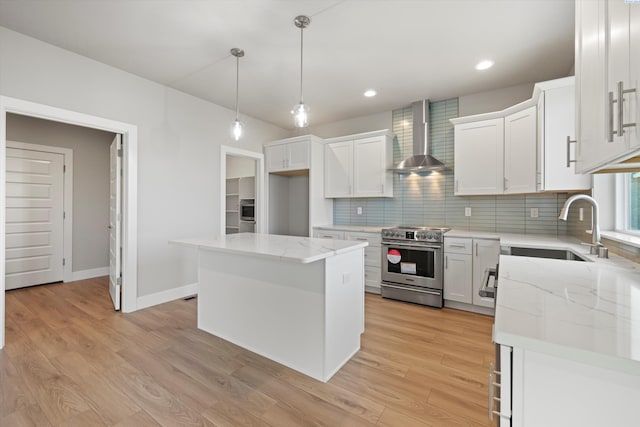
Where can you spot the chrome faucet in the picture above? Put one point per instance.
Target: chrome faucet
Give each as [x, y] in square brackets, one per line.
[596, 244]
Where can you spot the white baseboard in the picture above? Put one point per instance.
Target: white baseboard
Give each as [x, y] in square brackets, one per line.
[166, 296]
[89, 274]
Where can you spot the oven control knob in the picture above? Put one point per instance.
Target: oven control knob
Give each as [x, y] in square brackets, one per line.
[398, 234]
[385, 233]
[430, 236]
[421, 236]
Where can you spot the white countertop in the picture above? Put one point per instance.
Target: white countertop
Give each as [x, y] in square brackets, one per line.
[584, 311]
[286, 248]
[356, 228]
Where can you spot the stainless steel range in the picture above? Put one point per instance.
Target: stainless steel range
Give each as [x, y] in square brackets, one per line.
[412, 264]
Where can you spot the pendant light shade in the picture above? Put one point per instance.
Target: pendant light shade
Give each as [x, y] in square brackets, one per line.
[300, 111]
[237, 128]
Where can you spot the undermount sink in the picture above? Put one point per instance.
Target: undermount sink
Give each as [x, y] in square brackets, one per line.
[543, 253]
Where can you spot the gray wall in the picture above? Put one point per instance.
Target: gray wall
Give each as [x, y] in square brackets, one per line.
[351, 126]
[90, 181]
[495, 100]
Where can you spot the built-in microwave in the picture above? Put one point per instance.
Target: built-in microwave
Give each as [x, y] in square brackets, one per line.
[247, 210]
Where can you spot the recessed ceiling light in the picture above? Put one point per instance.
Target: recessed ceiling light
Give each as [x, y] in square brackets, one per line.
[483, 65]
[369, 93]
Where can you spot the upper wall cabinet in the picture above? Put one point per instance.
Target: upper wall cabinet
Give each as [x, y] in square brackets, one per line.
[607, 92]
[479, 157]
[358, 165]
[521, 149]
[287, 155]
[495, 153]
[557, 137]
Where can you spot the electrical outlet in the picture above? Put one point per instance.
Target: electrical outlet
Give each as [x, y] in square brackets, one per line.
[581, 213]
[359, 210]
[534, 212]
[467, 211]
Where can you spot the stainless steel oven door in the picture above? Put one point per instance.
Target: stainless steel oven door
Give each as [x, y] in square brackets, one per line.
[412, 265]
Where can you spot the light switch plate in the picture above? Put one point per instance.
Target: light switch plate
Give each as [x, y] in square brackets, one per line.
[359, 210]
[467, 211]
[534, 212]
[581, 214]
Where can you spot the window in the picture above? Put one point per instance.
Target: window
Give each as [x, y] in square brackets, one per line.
[628, 202]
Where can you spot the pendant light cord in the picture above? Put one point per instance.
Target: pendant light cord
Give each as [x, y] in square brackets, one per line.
[301, 63]
[237, 85]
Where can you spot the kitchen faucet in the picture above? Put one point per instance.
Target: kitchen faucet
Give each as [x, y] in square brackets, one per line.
[596, 245]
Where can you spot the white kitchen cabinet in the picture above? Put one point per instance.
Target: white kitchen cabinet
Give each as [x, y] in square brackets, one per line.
[520, 143]
[287, 156]
[458, 270]
[486, 254]
[372, 253]
[479, 157]
[294, 183]
[557, 137]
[359, 165]
[607, 91]
[465, 263]
[338, 169]
[538, 389]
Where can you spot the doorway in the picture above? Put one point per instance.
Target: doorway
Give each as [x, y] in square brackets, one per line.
[129, 188]
[241, 184]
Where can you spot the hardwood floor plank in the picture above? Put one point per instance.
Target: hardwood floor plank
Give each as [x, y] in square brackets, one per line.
[103, 398]
[84, 419]
[227, 414]
[30, 416]
[139, 419]
[306, 408]
[158, 402]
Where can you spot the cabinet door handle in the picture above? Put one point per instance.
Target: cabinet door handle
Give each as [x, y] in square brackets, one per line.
[621, 123]
[456, 186]
[457, 245]
[476, 249]
[611, 131]
[506, 182]
[446, 262]
[569, 142]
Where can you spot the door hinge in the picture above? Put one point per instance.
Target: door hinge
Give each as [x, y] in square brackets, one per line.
[119, 281]
[64, 215]
[64, 261]
[119, 152]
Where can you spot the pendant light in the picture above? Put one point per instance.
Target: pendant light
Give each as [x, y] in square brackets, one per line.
[237, 126]
[300, 111]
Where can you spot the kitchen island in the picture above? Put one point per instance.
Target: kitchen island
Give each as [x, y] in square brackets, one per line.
[569, 337]
[295, 300]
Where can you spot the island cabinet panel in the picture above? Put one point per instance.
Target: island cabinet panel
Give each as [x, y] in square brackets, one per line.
[555, 392]
[307, 316]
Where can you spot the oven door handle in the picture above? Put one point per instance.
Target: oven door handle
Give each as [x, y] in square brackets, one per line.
[484, 289]
[416, 247]
[404, 288]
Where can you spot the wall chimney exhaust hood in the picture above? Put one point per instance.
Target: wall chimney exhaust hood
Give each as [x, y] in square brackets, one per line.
[420, 161]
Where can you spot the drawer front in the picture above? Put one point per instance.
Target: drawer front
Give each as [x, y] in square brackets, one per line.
[372, 256]
[329, 234]
[372, 274]
[374, 239]
[454, 245]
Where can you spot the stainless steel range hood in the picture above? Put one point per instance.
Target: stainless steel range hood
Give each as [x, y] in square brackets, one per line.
[421, 160]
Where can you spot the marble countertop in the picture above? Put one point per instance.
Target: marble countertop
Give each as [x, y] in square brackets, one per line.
[356, 228]
[286, 248]
[584, 311]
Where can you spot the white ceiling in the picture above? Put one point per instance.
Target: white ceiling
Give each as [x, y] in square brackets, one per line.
[405, 49]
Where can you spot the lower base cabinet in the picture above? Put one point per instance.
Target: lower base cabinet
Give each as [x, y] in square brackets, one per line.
[372, 253]
[465, 263]
[537, 389]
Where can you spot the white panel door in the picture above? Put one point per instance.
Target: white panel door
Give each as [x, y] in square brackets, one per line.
[457, 278]
[479, 153]
[520, 139]
[338, 169]
[115, 217]
[34, 218]
[369, 167]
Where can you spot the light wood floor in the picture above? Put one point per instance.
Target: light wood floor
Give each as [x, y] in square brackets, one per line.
[71, 360]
